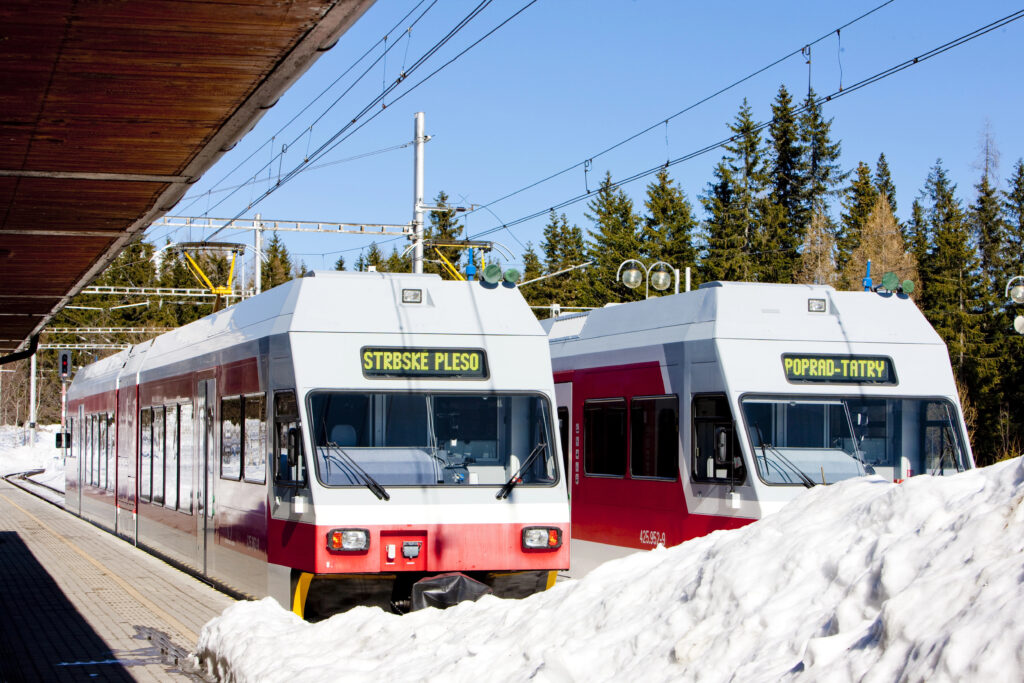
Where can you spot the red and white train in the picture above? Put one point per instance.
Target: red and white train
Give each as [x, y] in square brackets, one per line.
[332, 441]
[707, 410]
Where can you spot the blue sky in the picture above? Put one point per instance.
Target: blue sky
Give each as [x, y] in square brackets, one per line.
[567, 79]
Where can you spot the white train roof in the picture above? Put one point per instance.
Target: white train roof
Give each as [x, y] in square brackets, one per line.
[340, 302]
[746, 310]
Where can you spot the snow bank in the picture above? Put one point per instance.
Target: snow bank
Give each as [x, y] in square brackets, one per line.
[864, 580]
[18, 455]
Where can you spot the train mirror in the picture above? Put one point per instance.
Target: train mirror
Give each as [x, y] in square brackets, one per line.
[293, 447]
[722, 445]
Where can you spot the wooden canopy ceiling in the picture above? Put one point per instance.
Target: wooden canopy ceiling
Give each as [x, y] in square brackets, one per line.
[110, 109]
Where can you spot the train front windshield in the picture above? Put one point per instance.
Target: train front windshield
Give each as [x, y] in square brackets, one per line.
[806, 441]
[417, 439]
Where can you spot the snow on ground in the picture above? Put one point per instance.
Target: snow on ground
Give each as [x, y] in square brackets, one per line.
[864, 580]
[17, 454]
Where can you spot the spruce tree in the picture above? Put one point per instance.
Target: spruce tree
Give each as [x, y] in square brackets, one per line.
[1013, 220]
[727, 247]
[883, 181]
[613, 239]
[374, 257]
[989, 230]
[950, 299]
[277, 267]
[783, 233]
[1011, 432]
[534, 292]
[396, 263]
[563, 247]
[340, 263]
[824, 173]
[443, 226]
[858, 203]
[669, 229]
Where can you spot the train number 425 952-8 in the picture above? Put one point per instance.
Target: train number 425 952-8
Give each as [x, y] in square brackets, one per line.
[648, 537]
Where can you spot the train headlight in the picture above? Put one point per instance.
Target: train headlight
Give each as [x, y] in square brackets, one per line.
[542, 538]
[348, 540]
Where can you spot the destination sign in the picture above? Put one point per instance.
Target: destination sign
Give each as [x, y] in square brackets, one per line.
[839, 369]
[383, 363]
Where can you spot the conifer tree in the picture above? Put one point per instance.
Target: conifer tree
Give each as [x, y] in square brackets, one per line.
[986, 387]
[857, 205]
[396, 263]
[443, 226]
[1011, 433]
[613, 239]
[727, 246]
[881, 242]
[667, 233]
[340, 263]
[563, 247]
[817, 265]
[277, 267]
[949, 301]
[534, 292]
[883, 181]
[373, 257]
[783, 231]
[824, 173]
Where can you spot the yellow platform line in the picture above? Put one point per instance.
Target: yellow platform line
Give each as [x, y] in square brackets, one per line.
[128, 588]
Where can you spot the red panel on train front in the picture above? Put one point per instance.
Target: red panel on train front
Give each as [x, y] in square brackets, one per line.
[443, 547]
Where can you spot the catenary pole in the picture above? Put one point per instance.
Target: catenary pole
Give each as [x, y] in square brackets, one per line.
[417, 215]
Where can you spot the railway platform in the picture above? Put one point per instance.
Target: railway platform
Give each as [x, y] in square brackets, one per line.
[77, 603]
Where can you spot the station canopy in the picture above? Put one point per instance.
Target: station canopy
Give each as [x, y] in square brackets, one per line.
[110, 110]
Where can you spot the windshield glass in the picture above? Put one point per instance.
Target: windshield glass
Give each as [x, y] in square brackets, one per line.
[806, 441]
[407, 439]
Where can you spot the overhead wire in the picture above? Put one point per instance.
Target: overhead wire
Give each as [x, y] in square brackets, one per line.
[340, 135]
[589, 160]
[323, 92]
[881, 75]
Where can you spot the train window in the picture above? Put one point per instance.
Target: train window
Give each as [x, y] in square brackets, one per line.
[604, 437]
[255, 449]
[90, 442]
[186, 457]
[289, 462]
[171, 458]
[654, 437]
[101, 460]
[424, 439]
[146, 454]
[716, 450]
[231, 438]
[158, 455]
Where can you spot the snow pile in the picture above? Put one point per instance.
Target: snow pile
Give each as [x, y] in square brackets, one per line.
[18, 455]
[864, 580]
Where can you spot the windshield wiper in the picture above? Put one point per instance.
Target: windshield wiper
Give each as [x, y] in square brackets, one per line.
[368, 481]
[505, 490]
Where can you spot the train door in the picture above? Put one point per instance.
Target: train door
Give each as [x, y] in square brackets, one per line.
[563, 400]
[205, 400]
[76, 453]
[127, 462]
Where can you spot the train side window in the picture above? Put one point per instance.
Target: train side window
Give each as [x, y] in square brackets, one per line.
[90, 445]
[716, 450]
[255, 448]
[231, 438]
[146, 454]
[289, 462]
[604, 437]
[171, 458]
[186, 457]
[654, 437]
[158, 455]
